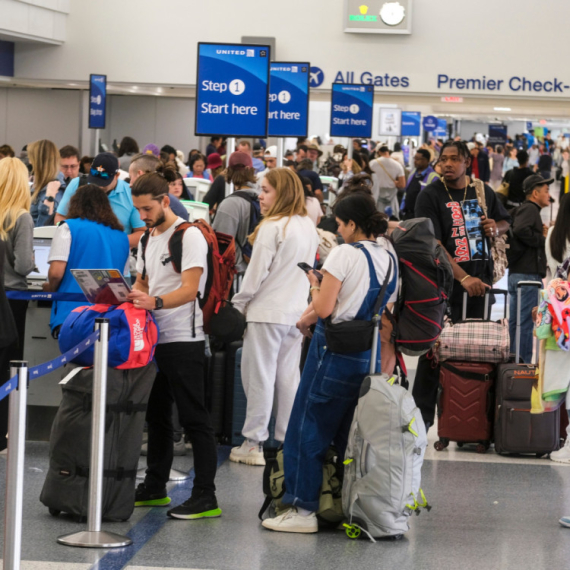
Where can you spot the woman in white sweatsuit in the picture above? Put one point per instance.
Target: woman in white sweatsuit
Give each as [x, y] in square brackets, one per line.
[273, 296]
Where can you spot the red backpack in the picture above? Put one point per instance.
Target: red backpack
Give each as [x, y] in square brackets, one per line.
[221, 264]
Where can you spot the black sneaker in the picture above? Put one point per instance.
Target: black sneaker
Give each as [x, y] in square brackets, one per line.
[144, 498]
[200, 505]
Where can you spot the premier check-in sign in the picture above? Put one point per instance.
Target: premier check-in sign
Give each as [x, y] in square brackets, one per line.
[97, 101]
[351, 114]
[232, 90]
[289, 99]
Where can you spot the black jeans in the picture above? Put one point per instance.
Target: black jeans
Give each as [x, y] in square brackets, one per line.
[13, 352]
[427, 374]
[181, 380]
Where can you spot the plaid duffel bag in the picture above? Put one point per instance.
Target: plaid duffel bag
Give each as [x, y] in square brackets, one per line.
[475, 340]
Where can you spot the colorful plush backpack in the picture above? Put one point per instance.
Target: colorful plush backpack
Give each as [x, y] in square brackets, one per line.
[133, 334]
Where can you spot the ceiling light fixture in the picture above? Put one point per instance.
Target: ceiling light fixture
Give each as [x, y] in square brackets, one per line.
[503, 109]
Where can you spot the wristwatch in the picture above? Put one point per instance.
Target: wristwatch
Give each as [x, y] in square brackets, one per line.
[158, 302]
[50, 199]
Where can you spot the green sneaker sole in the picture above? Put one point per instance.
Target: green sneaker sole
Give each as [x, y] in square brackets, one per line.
[205, 515]
[153, 503]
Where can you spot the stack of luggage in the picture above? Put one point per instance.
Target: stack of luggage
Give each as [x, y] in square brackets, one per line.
[485, 394]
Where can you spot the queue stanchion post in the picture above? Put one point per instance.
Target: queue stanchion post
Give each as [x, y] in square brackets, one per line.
[280, 151]
[94, 537]
[15, 467]
[230, 147]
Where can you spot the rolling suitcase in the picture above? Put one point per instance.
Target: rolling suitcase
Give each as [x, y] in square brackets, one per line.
[465, 399]
[66, 487]
[229, 382]
[239, 402]
[517, 430]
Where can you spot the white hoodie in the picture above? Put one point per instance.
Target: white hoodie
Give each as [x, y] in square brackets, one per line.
[274, 289]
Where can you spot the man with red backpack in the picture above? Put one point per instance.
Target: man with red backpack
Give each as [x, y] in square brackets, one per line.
[172, 284]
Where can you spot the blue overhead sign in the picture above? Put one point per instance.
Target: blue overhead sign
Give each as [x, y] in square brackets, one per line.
[289, 99]
[97, 101]
[429, 123]
[351, 114]
[441, 130]
[232, 90]
[411, 123]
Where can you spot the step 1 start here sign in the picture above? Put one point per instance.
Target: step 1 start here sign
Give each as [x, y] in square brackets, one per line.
[351, 114]
[232, 90]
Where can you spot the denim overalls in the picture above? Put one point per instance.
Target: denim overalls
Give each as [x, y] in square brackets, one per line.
[325, 402]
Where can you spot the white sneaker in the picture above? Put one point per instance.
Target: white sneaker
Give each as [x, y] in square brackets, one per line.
[292, 521]
[562, 455]
[249, 452]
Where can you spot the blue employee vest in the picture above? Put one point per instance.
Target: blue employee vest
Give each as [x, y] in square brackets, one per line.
[93, 246]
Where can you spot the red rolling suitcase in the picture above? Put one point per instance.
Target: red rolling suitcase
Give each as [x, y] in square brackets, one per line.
[465, 404]
[465, 399]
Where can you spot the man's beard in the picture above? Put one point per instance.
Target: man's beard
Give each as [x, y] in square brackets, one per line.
[158, 222]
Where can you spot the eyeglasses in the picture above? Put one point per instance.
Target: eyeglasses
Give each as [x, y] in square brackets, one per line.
[101, 174]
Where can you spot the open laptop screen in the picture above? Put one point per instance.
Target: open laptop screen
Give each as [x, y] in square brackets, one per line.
[41, 254]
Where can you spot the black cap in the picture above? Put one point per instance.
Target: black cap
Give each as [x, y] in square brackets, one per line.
[535, 180]
[105, 166]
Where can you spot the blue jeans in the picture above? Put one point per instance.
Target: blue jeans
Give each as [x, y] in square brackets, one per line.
[322, 413]
[529, 300]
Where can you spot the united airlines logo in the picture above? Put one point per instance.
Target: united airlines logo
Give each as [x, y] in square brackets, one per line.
[317, 77]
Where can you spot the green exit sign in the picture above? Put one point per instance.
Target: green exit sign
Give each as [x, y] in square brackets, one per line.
[360, 18]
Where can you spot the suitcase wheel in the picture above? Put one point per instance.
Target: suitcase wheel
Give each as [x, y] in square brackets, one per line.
[441, 444]
[459, 444]
[352, 531]
[54, 512]
[481, 448]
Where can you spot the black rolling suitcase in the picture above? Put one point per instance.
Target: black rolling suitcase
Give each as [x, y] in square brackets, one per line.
[229, 382]
[516, 429]
[66, 488]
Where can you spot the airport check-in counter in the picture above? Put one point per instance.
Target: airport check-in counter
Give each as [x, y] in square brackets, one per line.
[44, 394]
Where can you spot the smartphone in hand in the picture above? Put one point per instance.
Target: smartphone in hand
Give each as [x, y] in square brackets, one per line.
[307, 269]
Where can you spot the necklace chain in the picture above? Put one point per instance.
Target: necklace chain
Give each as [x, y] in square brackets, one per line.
[449, 193]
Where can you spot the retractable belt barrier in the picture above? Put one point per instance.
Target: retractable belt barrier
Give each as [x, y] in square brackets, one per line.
[93, 537]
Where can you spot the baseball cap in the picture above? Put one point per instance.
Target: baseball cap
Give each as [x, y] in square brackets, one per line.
[151, 149]
[271, 152]
[239, 158]
[535, 180]
[214, 160]
[105, 166]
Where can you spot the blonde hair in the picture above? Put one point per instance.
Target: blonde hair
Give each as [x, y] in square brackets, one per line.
[354, 167]
[290, 199]
[44, 158]
[14, 193]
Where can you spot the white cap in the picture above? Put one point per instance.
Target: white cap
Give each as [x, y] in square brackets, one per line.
[471, 145]
[270, 152]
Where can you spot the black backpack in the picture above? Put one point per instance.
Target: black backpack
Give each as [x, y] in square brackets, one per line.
[427, 282]
[254, 217]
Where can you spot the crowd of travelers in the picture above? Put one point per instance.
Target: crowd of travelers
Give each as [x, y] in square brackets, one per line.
[279, 216]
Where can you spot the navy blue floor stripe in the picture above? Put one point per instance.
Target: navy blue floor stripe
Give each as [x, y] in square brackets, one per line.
[151, 523]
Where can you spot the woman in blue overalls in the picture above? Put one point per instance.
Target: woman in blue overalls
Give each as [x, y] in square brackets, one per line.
[330, 384]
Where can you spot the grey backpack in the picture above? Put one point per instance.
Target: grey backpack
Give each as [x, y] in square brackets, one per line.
[384, 457]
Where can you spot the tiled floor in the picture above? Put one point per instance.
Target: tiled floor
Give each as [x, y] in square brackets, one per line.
[489, 512]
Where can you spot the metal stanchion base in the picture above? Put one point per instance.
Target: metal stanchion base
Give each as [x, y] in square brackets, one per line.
[175, 475]
[101, 539]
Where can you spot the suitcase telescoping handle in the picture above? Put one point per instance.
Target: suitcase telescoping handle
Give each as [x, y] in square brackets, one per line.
[376, 319]
[538, 285]
[487, 310]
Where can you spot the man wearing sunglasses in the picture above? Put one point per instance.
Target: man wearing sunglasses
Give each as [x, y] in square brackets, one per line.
[105, 174]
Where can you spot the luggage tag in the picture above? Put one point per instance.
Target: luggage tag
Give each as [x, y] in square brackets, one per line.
[73, 373]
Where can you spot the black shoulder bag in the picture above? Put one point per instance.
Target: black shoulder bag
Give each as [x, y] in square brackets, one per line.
[357, 335]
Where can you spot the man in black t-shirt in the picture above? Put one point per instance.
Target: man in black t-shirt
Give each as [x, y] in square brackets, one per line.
[515, 179]
[460, 226]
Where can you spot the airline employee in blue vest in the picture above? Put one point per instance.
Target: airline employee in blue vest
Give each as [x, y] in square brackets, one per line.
[422, 175]
[105, 174]
[91, 238]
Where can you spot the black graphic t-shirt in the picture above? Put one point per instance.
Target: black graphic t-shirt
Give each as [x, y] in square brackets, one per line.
[457, 224]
